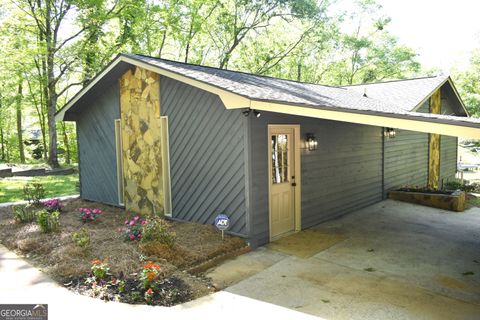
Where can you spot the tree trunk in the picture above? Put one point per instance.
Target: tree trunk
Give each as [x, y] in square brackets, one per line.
[66, 143]
[44, 141]
[52, 129]
[43, 102]
[2, 141]
[52, 93]
[19, 99]
[162, 43]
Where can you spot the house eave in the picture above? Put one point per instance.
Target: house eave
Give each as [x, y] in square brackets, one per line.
[458, 127]
[452, 126]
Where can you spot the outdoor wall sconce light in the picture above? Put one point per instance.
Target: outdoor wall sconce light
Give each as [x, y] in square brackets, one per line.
[312, 142]
[389, 133]
[247, 112]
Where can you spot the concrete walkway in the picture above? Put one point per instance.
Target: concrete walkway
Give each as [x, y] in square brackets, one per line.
[22, 283]
[63, 198]
[391, 260]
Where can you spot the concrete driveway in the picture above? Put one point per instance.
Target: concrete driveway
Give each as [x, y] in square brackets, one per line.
[391, 260]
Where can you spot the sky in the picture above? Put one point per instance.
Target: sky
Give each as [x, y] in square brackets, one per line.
[442, 32]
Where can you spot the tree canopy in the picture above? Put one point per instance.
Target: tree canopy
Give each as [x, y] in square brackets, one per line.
[51, 48]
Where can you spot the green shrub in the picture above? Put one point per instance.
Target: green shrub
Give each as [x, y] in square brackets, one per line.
[23, 213]
[157, 229]
[458, 185]
[33, 192]
[99, 269]
[48, 221]
[452, 185]
[81, 238]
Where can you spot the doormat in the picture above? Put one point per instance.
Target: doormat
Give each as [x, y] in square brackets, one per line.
[305, 244]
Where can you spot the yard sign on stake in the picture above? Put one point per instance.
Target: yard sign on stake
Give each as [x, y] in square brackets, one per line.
[222, 222]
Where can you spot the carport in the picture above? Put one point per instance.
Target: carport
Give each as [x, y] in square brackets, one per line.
[391, 260]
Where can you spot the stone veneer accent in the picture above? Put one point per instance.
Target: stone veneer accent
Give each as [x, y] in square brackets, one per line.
[141, 141]
[434, 145]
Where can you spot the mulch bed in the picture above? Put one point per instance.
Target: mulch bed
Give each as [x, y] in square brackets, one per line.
[57, 254]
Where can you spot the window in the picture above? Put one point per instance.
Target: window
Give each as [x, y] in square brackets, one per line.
[280, 159]
[118, 148]
[167, 203]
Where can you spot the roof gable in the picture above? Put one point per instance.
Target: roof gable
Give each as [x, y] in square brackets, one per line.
[411, 94]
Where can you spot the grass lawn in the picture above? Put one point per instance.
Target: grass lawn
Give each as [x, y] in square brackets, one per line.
[59, 255]
[11, 189]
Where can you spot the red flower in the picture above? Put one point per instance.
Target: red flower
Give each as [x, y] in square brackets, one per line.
[151, 265]
[96, 262]
[151, 275]
[149, 291]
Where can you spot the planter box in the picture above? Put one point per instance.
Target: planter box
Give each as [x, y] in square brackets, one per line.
[453, 202]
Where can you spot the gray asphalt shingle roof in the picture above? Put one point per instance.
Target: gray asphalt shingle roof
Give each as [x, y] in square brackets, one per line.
[404, 94]
[273, 89]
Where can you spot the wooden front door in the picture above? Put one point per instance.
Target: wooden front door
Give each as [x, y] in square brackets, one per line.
[282, 157]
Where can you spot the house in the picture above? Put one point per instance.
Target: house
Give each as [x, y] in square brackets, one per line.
[276, 156]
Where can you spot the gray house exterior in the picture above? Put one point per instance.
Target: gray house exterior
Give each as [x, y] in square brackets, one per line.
[217, 155]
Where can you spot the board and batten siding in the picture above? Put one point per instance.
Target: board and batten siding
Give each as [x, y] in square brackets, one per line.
[342, 175]
[406, 160]
[96, 147]
[207, 159]
[448, 158]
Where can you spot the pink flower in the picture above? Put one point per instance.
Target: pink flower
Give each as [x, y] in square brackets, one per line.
[128, 230]
[132, 223]
[139, 236]
[96, 211]
[144, 222]
[126, 221]
[132, 236]
[136, 218]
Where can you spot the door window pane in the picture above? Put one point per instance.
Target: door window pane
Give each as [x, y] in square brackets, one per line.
[280, 160]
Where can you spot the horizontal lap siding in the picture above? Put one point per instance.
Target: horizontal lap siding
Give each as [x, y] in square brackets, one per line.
[342, 175]
[97, 150]
[448, 157]
[206, 155]
[406, 159]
